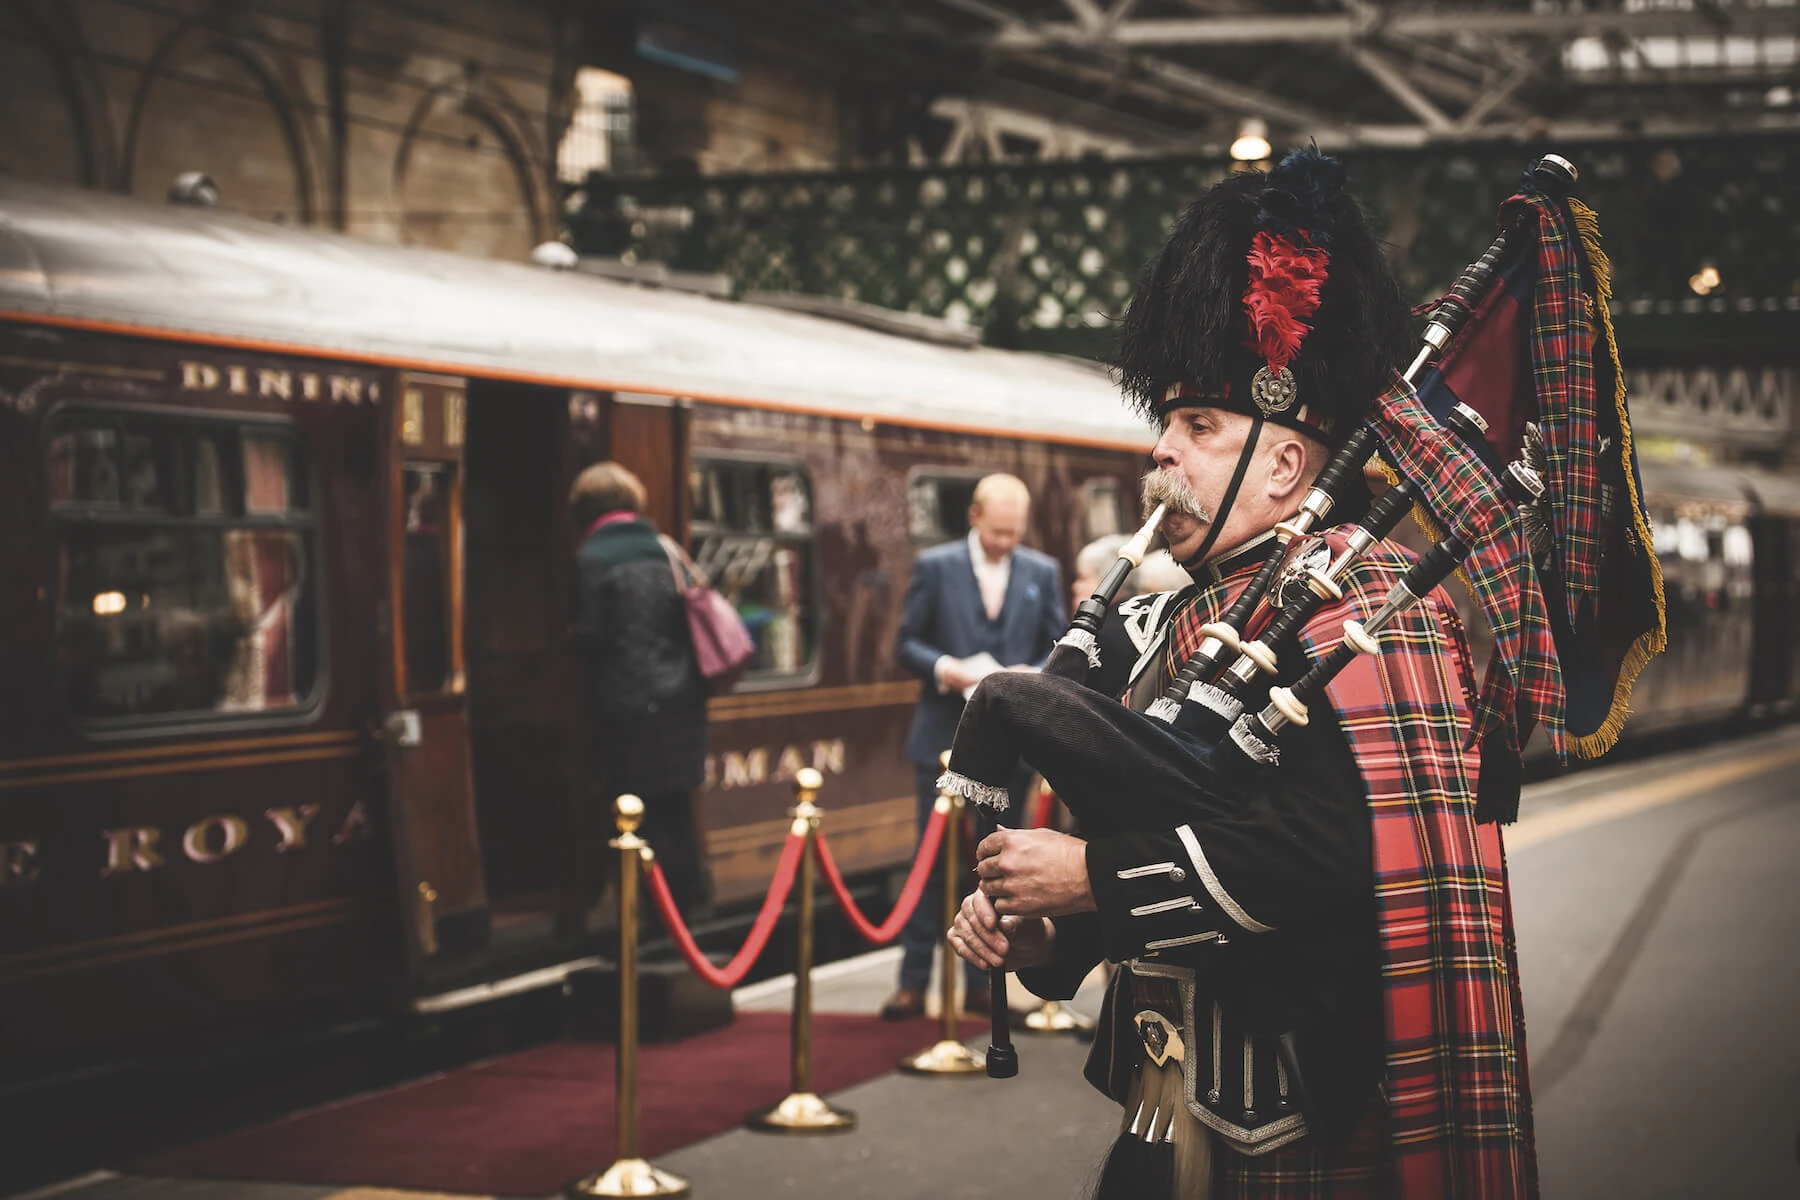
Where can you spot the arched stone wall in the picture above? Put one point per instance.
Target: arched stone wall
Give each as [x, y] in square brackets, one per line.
[481, 190]
[51, 107]
[209, 101]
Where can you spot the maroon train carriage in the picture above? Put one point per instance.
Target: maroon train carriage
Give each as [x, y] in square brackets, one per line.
[285, 726]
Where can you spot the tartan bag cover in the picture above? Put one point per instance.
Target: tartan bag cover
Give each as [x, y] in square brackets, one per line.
[1525, 674]
[1540, 348]
[1457, 1115]
[1562, 371]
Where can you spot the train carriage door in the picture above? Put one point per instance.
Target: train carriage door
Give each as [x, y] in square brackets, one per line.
[649, 435]
[431, 801]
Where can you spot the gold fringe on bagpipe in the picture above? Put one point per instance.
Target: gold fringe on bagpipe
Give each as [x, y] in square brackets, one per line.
[1652, 642]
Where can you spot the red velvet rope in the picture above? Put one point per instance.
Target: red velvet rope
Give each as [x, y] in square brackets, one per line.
[909, 895]
[733, 972]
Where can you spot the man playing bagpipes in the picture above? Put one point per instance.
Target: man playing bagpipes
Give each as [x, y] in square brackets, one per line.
[1318, 992]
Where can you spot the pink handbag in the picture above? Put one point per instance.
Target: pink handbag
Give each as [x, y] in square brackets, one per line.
[723, 647]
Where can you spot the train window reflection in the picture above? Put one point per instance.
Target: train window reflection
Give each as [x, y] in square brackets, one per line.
[1102, 509]
[429, 580]
[183, 566]
[752, 497]
[752, 535]
[937, 504]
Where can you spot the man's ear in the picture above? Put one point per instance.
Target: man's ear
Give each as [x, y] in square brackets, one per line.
[1287, 466]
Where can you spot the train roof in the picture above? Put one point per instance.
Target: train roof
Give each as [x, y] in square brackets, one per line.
[1777, 494]
[92, 259]
[1753, 488]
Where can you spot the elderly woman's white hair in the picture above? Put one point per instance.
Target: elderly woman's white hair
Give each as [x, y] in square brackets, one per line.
[1158, 572]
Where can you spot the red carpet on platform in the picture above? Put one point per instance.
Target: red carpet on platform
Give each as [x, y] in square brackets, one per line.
[529, 1123]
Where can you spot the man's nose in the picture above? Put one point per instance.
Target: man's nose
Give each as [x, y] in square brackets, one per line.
[1163, 453]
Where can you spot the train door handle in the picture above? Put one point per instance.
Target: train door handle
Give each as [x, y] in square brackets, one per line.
[402, 727]
[428, 941]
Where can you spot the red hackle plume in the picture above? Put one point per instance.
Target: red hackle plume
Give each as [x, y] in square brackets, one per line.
[1282, 293]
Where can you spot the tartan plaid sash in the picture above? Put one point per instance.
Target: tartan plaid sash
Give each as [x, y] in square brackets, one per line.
[1457, 1114]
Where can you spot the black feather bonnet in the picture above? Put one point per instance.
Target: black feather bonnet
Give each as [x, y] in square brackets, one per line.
[1268, 281]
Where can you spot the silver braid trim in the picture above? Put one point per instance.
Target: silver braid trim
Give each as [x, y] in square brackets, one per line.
[1082, 640]
[1164, 710]
[1216, 699]
[1254, 748]
[974, 791]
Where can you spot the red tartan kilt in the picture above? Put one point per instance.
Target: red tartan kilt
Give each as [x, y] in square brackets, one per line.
[1355, 1168]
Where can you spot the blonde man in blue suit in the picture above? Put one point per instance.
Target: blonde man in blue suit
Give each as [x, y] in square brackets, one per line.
[972, 606]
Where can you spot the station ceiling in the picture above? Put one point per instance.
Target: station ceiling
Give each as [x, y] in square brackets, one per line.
[1182, 76]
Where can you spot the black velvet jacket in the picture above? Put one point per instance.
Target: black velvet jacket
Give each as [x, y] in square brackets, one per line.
[1271, 908]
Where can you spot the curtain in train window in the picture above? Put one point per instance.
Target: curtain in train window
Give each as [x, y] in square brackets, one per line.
[183, 556]
[752, 534]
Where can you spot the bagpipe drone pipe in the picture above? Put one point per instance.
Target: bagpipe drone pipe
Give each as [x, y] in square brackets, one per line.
[1196, 754]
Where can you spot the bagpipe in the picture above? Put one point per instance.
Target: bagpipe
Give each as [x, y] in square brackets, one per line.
[1193, 753]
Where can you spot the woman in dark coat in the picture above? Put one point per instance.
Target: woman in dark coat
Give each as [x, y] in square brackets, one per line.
[644, 696]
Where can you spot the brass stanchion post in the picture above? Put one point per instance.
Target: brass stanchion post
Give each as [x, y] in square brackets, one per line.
[949, 1056]
[802, 1111]
[1054, 1018]
[629, 1175]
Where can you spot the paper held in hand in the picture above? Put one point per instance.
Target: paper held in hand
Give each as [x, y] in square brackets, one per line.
[981, 666]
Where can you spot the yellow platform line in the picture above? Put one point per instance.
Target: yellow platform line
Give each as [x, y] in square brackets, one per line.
[1627, 801]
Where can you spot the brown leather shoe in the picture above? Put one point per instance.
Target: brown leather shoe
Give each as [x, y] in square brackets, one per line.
[905, 1004]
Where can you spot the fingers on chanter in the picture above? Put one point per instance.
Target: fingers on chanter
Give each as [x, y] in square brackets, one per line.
[981, 931]
[979, 910]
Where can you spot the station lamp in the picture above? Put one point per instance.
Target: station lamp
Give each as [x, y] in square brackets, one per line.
[1252, 143]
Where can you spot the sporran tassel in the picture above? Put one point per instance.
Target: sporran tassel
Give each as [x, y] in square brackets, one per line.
[1162, 1153]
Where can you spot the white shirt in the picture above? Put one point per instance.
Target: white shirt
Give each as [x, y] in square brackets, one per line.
[991, 577]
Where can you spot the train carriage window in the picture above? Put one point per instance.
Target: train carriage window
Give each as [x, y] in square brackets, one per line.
[184, 553]
[1102, 509]
[752, 534]
[430, 570]
[937, 503]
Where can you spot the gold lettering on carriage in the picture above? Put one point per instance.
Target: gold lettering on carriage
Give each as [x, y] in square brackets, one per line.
[211, 839]
[18, 863]
[130, 849]
[748, 768]
[199, 844]
[278, 383]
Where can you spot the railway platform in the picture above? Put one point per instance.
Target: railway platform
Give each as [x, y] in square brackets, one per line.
[1658, 910]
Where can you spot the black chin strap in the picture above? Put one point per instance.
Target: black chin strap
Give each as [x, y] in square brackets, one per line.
[1231, 491]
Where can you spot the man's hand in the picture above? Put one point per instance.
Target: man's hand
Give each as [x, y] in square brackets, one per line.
[1034, 873]
[956, 676]
[985, 938]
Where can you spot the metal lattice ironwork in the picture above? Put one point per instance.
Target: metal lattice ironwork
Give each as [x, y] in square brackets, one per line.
[1044, 255]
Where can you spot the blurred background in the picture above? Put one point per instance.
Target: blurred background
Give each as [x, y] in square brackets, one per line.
[294, 291]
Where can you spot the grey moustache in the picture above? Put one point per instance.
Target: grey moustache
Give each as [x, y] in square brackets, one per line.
[1166, 487]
